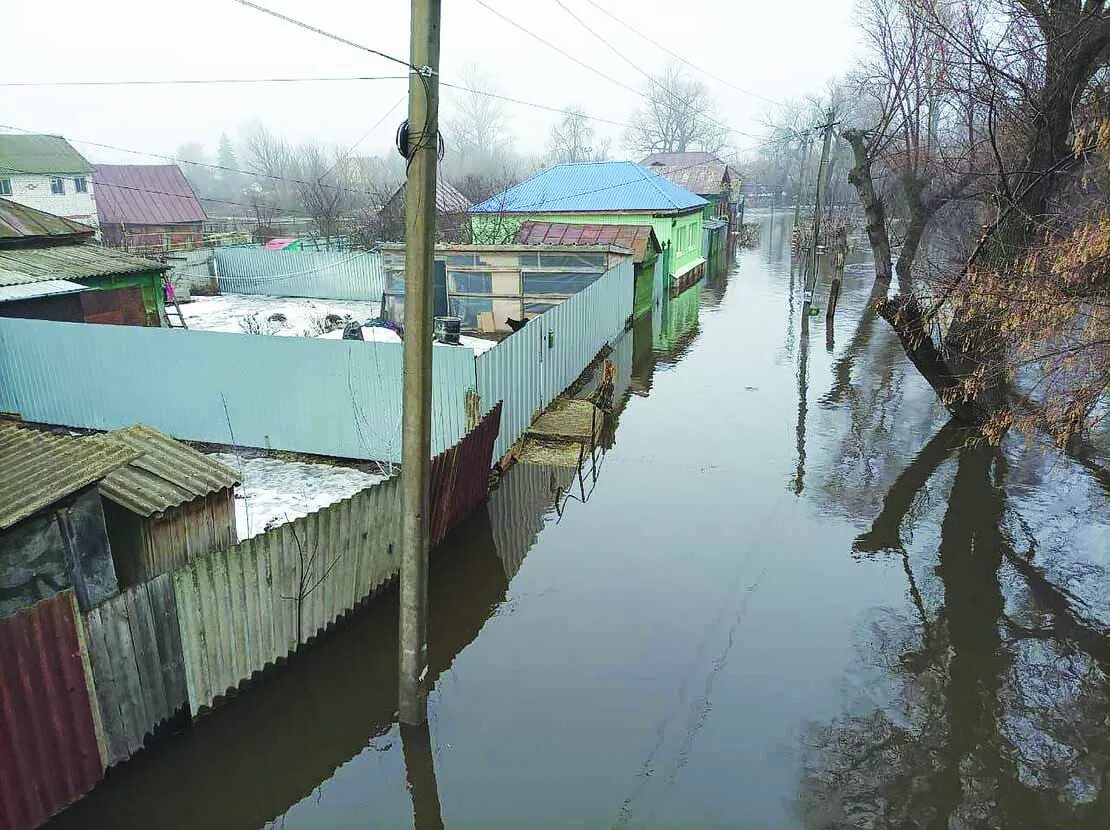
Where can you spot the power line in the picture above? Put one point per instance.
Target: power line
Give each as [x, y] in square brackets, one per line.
[652, 80]
[559, 110]
[198, 81]
[591, 68]
[551, 45]
[323, 33]
[677, 56]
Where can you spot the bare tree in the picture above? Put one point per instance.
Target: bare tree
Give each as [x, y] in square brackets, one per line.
[997, 102]
[273, 161]
[574, 139]
[325, 192]
[476, 129]
[679, 115]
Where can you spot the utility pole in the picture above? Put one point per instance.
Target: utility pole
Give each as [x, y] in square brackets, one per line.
[422, 152]
[806, 144]
[818, 211]
[841, 251]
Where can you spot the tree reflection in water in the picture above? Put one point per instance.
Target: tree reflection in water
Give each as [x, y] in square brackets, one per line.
[991, 709]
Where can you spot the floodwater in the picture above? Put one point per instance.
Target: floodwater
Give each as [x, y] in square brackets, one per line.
[789, 595]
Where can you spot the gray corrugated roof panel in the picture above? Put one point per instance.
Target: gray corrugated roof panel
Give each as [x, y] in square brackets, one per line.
[593, 187]
[144, 194]
[38, 469]
[69, 262]
[698, 172]
[166, 474]
[34, 290]
[21, 222]
[40, 154]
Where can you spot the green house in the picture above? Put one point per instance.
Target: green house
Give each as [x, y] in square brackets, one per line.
[602, 193]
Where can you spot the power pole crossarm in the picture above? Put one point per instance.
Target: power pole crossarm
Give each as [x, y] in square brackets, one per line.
[416, 427]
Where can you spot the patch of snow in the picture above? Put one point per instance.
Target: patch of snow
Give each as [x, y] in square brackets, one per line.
[303, 315]
[276, 491]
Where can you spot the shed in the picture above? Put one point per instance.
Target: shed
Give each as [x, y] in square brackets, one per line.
[451, 220]
[487, 285]
[640, 239]
[46, 262]
[148, 206]
[166, 506]
[601, 193]
[702, 173]
[48, 493]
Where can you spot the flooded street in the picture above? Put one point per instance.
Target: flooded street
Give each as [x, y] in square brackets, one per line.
[794, 597]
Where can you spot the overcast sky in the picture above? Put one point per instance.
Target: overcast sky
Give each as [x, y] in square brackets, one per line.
[776, 48]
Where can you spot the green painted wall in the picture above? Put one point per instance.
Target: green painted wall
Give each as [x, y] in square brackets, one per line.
[683, 232]
[154, 300]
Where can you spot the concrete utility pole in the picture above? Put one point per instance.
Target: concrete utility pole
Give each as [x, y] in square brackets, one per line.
[416, 427]
[818, 212]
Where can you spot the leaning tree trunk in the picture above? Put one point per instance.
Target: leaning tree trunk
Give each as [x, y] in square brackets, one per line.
[860, 177]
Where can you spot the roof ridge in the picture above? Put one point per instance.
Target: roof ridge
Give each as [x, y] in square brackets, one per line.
[649, 176]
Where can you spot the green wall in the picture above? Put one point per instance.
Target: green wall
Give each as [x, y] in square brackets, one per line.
[154, 300]
[683, 232]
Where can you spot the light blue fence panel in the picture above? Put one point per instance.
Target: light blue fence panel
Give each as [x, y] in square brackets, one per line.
[327, 275]
[330, 397]
[530, 368]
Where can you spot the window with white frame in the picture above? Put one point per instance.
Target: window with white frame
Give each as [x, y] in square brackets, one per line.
[57, 185]
[81, 184]
[5, 187]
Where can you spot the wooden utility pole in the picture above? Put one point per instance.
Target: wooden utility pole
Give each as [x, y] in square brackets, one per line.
[422, 152]
[818, 212]
[806, 144]
[841, 251]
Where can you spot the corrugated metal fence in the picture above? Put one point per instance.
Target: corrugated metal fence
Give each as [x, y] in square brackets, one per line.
[530, 368]
[245, 608]
[49, 753]
[330, 397]
[330, 275]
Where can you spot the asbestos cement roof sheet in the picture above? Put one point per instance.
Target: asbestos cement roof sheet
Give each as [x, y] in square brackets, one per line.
[21, 266]
[38, 469]
[593, 187]
[144, 194]
[44, 154]
[165, 474]
[639, 238]
[21, 222]
[34, 290]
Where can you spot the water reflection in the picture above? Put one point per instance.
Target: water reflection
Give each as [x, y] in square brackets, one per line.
[247, 762]
[988, 709]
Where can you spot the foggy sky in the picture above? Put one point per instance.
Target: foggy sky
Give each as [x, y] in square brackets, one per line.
[778, 49]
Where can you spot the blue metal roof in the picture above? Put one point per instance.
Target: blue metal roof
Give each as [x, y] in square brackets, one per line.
[592, 187]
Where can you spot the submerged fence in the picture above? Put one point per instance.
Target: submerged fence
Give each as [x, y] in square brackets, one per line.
[81, 693]
[532, 367]
[329, 275]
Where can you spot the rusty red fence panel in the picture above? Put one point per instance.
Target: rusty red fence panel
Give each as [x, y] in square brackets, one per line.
[49, 753]
[460, 476]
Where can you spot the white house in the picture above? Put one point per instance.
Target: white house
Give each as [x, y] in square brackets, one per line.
[45, 172]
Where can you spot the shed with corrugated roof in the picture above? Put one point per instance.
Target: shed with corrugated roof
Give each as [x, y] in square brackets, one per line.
[52, 533]
[167, 506]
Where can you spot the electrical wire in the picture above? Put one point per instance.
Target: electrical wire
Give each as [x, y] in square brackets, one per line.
[679, 57]
[591, 68]
[323, 33]
[198, 81]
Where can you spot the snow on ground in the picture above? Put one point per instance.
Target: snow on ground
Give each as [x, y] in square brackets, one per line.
[303, 316]
[383, 335]
[277, 491]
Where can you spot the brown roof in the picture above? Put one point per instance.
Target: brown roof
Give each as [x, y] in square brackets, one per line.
[698, 172]
[38, 469]
[639, 238]
[144, 194]
[166, 474]
[21, 222]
